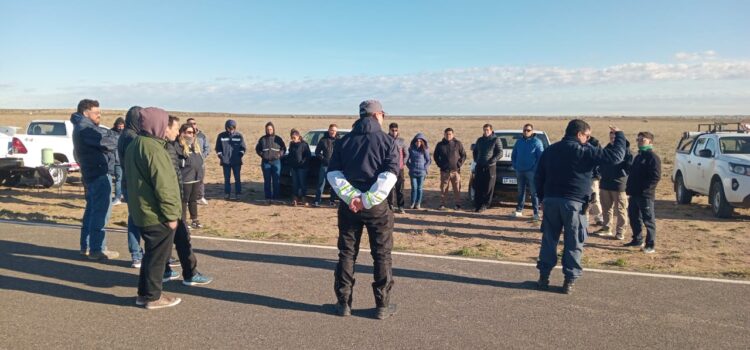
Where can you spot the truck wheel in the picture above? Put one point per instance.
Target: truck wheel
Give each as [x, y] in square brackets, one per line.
[682, 194]
[719, 205]
[59, 175]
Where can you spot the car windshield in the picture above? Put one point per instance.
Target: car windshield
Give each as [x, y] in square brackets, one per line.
[313, 137]
[47, 129]
[735, 145]
[508, 139]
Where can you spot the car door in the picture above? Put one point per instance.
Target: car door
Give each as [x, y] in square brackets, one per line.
[706, 164]
[692, 175]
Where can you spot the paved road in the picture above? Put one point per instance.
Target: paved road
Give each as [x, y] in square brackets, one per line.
[269, 296]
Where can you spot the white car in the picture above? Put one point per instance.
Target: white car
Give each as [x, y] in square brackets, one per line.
[24, 152]
[715, 163]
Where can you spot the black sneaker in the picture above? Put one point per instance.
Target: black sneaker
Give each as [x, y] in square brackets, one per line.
[457, 207]
[343, 309]
[543, 283]
[386, 311]
[633, 244]
[568, 286]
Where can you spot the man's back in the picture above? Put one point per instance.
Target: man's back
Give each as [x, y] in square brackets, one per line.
[364, 153]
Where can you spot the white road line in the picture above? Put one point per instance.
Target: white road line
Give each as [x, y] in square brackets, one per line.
[442, 257]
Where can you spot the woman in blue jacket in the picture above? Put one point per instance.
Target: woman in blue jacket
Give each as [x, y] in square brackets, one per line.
[418, 161]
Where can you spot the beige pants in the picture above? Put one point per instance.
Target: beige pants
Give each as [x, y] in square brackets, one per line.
[595, 207]
[617, 202]
[454, 178]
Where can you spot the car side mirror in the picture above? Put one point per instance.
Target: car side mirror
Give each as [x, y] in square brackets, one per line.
[705, 153]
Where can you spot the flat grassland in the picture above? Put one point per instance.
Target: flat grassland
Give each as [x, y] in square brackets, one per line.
[689, 241]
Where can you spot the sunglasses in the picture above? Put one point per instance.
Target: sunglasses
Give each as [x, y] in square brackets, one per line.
[528, 130]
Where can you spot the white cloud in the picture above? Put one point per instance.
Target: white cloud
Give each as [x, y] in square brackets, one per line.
[638, 87]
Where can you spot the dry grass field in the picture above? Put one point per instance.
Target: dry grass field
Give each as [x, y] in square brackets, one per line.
[689, 240]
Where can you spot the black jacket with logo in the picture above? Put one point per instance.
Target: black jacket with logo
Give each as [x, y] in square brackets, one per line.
[270, 148]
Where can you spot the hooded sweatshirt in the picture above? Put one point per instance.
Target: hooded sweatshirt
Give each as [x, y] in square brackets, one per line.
[419, 158]
[93, 147]
[132, 128]
[270, 147]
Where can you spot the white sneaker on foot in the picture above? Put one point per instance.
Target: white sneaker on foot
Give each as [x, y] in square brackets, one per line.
[517, 214]
[202, 201]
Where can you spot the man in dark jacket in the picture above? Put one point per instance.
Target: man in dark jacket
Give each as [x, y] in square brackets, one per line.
[230, 147]
[131, 131]
[116, 131]
[94, 151]
[449, 157]
[270, 148]
[612, 193]
[595, 204]
[362, 172]
[487, 151]
[205, 151]
[324, 152]
[298, 160]
[525, 156]
[645, 174]
[563, 182]
[397, 193]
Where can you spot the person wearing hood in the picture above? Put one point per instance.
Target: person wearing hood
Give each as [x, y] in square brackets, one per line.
[153, 201]
[270, 148]
[93, 149]
[324, 152]
[205, 147]
[298, 160]
[396, 197]
[449, 157]
[363, 171]
[645, 174]
[131, 131]
[116, 131]
[230, 147]
[487, 151]
[612, 193]
[418, 163]
[524, 158]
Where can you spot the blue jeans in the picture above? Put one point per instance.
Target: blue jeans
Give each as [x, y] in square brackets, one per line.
[118, 182]
[322, 182]
[299, 182]
[228, 171]
[526, 178]
[416, 189]
[134, 235]
[97, 212]
[569, 217]
[271, 176]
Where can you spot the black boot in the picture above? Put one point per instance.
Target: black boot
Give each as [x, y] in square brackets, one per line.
[386, 311]
[543, 283]
[568, 286]
[343, 309]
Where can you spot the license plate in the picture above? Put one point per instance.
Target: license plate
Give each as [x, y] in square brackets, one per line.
[510, 181]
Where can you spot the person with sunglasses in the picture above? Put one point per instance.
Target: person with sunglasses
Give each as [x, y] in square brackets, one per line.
[205, 147]
[563, 182]
[525, 156]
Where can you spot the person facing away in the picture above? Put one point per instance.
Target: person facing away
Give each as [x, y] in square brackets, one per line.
[230, 148]
[396, 197]
[117, 129]
[524, 159]
[93, 149]
[418, 163]
[612, 193]
[595, 205]
[487, 151]
[449, 157]
[131, 131]
[563, 182]
[645, 174]
[270, 148]
[154, 202]
[324, 152]
[205, 147]
[299, 161]
[362, 172]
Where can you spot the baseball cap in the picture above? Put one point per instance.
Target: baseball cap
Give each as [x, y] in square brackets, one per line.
[370, 107]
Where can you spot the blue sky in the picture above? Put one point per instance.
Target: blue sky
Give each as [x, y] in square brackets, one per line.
[418, 57]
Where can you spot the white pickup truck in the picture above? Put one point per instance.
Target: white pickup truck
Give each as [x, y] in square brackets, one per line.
[714, 162]
[22, 154]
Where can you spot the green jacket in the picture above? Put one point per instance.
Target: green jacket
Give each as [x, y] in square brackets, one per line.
[153, 191]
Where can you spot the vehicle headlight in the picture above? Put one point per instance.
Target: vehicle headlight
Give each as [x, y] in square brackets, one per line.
[739, 169]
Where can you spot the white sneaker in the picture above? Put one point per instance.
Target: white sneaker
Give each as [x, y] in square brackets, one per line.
[517, 214]
[203, 201]
[116, 202]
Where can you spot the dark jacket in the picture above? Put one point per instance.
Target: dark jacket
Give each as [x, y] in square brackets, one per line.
[364, 153]
[116, 134]
[449, 155]
[324, 149]
[419, 158]
[487, 151]
[230, 147]
[132, 128]
[564, 171]
[526, 153]
[614, 176]
[270, 147]
[645, 174]
[190, 164]
[299, 155]
[401, 150]
[596, 173]
[174, 149]
[93, 147]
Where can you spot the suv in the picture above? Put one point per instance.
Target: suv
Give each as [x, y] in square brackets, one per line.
[714, 161]
[311, 137]
[506, 180]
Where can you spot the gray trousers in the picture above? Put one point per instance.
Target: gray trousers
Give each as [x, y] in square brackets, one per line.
[566, 216]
